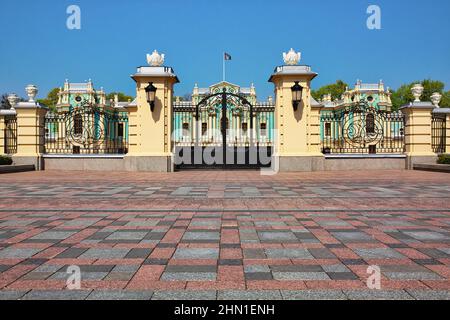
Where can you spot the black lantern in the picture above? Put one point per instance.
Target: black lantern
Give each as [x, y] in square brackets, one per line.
[150, 91]
[297, 91]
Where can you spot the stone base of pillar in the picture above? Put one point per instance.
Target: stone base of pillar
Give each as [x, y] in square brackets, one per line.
[37, 161]
[423, 159]
[301, 163]
[145, 163]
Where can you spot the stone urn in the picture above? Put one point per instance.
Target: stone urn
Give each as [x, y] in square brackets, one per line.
[31, 91]
[417, 91]
[13, 99]
[436, 99]
[155, 59]
[291, 58]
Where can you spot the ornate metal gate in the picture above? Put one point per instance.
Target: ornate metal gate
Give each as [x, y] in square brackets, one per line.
[363, 129]
[438, 132]
[87, 129]
[224, 130]
[10, 134]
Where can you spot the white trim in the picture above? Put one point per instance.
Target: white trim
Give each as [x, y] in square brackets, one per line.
[364, 156]
[84, 156]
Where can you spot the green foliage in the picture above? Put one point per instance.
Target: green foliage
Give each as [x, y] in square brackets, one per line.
[444, 159]
[51, 100]
[403, 95]
[122, 97]
[5, 160]
[336, 90]
[4, 103]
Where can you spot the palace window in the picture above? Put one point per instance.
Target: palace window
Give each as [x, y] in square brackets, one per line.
[185, 129]
[370, 123]
[244, 127]
[263, 129]
[328, 129]
[77, 124]
[204, 128]
[120, 130]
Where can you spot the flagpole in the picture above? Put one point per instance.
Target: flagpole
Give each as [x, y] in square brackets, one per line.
[223, 67]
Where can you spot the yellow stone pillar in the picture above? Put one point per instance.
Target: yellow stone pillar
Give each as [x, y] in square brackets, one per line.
[150, 131]
[30, 134]
[447, 147]
[2, 132]
[297, 131]
[418, 147]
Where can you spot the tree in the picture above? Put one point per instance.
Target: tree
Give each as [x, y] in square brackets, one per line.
[336, 90]
[51, 100]
[403, 95]
[4, 103]
[122, 96]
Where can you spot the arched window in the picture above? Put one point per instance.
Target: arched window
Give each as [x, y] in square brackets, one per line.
[77, 124]
[370, 123]
[185, 129]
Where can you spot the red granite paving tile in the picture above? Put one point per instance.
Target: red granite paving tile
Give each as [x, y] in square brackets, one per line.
[37, 285]
[148, 272]
[71, 261]
[79, 236]
[229, 236]
[10, 262]
[344, 253]
[443, 271]
[24, 236]
[123, 262]
[437, 284]
[14, 273]
[275, 285]
[274, 262]
[162, 253]
[49, 253]
[34, 245]
[402, 284]
[230, 273]
[103, 284]
[215, 285]
[156, 285]
[335, 284]
[391, 262]
[445, 261]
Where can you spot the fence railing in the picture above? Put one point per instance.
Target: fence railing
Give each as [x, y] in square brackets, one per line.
[10, 134]
[362, 129]
[438, 132]
[86, 130]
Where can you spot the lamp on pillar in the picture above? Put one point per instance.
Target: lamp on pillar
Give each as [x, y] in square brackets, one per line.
[150, 91]
[297, 92]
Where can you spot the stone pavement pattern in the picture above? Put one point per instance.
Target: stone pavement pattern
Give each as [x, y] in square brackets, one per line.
[225, 235]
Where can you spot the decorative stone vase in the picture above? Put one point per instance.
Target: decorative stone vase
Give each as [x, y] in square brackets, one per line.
[291, 58]
[155, 59]
[436, 99]
[31, 91]
[13, 99]
[417, 91]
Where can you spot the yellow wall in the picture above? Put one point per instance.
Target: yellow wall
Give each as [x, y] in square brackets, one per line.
[418, 131]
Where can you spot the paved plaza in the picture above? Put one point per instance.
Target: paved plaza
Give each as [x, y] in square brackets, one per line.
[225, 235]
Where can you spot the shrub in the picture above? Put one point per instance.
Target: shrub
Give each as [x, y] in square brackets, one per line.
[444, 159]
[5, 160]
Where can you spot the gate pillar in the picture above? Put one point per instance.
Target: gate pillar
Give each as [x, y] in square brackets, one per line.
[418, 133]
[150, 122]
[30, 131]
[297, 127]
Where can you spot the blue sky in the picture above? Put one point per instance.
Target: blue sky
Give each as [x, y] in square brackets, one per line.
[115, 36]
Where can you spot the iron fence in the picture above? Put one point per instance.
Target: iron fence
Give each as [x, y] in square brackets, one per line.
[362, 129]
[86, 130]
[10, 134]
[438, 132]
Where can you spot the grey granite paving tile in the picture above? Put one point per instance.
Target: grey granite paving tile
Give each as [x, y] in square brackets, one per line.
[113, 253]
[185, 295]
[196, 253]
[313, 295]
[11, 295]
[18, 253]
[188, 276]
[57, 295]
[288, 253]
[300, 276]
[53, 235]
[412, 275]
[430, 294]
[120, 295]
[379, 253]
[125, 235]
[377, 295]
[256, 268]
[250, 295]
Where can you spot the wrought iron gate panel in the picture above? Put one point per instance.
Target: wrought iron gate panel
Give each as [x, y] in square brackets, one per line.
[235, 132]
[10, 134]
[86, 130]
[362, 129]
[438, 132]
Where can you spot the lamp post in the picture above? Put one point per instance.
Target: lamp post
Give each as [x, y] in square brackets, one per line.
[150, 92]
[297, 91]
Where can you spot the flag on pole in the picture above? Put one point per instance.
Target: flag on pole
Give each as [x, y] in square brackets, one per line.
[226, 56]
